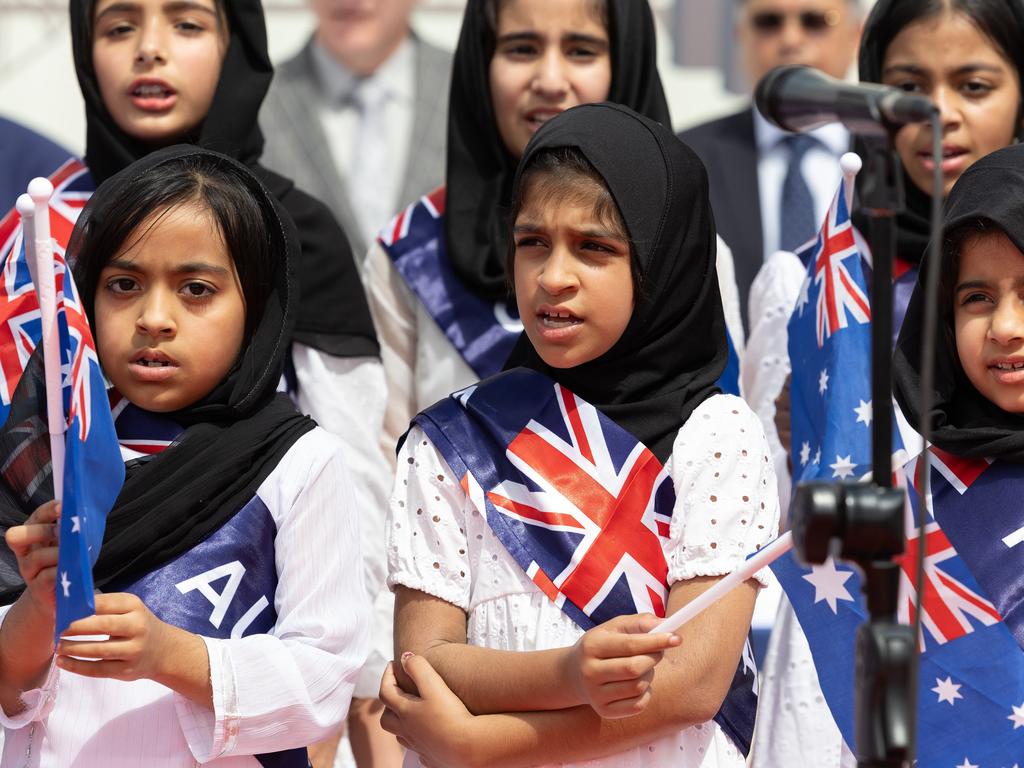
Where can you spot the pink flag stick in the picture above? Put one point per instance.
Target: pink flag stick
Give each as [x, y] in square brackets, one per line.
[765, 556]
[40, 190]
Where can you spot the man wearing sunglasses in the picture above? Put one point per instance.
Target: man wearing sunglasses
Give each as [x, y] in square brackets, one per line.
[769, 190]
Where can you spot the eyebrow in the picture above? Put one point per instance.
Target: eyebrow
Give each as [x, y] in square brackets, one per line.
[187, 268]
[572, 37]
[174, 6]
[966, 69]
[598, 234]
[967, 285]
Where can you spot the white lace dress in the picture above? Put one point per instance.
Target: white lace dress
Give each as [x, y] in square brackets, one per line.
[726, 507]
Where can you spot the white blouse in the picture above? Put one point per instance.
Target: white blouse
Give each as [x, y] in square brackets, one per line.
[271, 692]
[726, 507]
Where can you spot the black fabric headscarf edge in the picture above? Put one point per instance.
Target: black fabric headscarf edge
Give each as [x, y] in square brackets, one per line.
[234, 437]
[963, 421]
[480, 169]
[674, 348]
[334, 315]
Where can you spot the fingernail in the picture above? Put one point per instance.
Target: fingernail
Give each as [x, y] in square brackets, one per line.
[406, 656]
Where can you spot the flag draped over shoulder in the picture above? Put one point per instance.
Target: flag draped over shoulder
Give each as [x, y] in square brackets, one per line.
[581, 505]
[971, 694]
[93, 468]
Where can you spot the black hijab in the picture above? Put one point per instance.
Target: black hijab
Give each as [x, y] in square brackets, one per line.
[233, 437]
[965, 423]
[480, 168]
[333, 315]
[674, 348]
[887, 19]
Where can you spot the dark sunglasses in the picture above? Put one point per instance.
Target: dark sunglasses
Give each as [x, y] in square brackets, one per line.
[771, 22]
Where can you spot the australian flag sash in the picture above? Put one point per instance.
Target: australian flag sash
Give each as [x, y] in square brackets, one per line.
[224, 587]
[580, 504]
[482, 332]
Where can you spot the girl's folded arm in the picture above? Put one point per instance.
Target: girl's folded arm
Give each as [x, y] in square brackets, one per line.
[487, 680]
[292, 687]
[689, 686]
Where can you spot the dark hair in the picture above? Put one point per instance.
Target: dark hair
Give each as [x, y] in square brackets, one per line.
[995, 19]
[563, 175]
[242, 217]
[491, 9]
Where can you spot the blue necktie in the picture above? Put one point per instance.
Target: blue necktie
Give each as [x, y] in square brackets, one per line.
[796, 214]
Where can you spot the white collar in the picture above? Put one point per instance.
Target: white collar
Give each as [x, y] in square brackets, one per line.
[834, 136]
[394, 76]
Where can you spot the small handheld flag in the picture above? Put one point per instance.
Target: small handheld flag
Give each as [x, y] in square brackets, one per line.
[45, 337]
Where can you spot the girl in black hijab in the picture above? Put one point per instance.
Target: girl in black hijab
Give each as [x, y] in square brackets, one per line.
[436, 280]
[146, 89]
[976, 407]
[968, 56]
[185, 264]
[495, 504]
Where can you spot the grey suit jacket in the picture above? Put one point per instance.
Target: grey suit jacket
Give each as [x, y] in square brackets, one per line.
[296, 145]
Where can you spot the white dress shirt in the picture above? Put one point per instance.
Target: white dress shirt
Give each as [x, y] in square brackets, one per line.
[288, 688]
[820, 169]
[394, 83]
[726, 507]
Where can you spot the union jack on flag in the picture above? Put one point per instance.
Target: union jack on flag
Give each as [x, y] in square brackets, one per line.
[579, 503]
[839, 285]
[93, 469]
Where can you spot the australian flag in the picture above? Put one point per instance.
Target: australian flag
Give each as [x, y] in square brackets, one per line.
[581, 505]
[93, 469]
[971, 695]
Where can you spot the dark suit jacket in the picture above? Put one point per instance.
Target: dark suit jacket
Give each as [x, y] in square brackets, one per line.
[729, 151]
[296, 145]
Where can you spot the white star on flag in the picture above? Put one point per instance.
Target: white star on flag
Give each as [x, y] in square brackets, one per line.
[823, 382]
[843, 468]
[828, 584]
[805, 454]
[817, 457]
[947, 690]
[1017, 717]
[863, 412]
[967, 764]
[65, 583]
[804, 296]
[76, 524]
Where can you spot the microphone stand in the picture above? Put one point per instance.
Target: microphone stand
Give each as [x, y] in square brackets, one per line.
[866, 520]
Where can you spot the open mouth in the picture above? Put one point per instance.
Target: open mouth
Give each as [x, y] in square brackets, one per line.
[152, 91]
[1009, 366]
[558, 319]
[537, 118]
[153, 363]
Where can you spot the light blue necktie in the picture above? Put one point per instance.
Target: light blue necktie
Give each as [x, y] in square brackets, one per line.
[796, 214]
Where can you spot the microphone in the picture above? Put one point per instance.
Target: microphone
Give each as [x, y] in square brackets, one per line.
[797, 99]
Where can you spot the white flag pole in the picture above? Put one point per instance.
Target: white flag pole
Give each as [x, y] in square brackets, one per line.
[765, 556]
[850, 163]
[40, 190]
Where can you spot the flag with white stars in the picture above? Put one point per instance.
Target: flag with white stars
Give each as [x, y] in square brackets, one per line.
[93, 468]
[971, 681]
[971, 684]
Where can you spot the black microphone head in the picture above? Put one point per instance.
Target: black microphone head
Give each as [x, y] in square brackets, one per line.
[768, 93]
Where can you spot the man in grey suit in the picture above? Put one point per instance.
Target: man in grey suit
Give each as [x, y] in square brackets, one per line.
[358, 118]
[760, 179]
